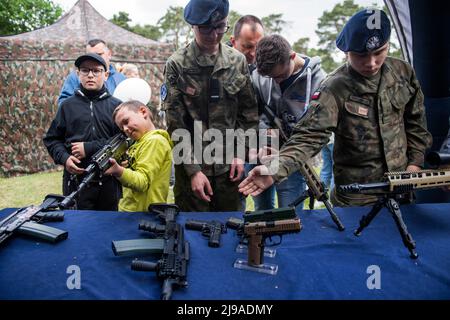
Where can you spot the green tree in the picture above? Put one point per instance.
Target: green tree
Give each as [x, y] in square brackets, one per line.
[174, 28]
[301, 45]
[274, 23]
[121, 19]
[148, 31]
[18, 16]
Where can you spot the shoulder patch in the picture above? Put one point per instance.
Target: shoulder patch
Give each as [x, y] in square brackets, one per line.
[163, 92]
[315, 95]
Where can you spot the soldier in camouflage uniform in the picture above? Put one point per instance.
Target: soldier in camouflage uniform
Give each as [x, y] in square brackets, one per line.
[208, 83]
[373, 104]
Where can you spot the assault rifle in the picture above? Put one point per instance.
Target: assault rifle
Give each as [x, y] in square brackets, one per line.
[397, 187]
[171, 268]
[99, 163]
[210, 229]
[259, 226]
[316, 190]
[27, 221]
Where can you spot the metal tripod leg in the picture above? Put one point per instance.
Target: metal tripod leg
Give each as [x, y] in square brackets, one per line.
[365, 220]
[408, 241]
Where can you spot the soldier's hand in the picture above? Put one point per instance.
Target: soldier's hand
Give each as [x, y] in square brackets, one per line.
[201, 187]
[257, 181]
[115, 170]
[413, 168]
[71, 165]
[78, 150]
[267, 154]
[237, 169]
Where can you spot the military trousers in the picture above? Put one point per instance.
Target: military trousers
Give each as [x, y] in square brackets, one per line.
[225, 193]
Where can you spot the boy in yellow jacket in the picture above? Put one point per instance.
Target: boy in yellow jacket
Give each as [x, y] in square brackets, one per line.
[146, 178]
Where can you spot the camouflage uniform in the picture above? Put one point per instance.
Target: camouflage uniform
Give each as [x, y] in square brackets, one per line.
[189, 77]
[379, 126]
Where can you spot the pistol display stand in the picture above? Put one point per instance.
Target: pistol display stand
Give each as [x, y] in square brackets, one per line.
[390, 202]
[268, 268]
[243, 248]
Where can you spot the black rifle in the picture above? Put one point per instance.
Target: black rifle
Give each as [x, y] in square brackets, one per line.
[316, 190]
[27, 221]
[171, 268]
[210, 229]
[397, 188]
[99, 163]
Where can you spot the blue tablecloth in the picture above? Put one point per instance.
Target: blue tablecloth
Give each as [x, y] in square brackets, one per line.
[318, 263]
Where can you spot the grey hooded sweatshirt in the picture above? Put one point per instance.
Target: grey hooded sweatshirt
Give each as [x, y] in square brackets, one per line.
[290, 104]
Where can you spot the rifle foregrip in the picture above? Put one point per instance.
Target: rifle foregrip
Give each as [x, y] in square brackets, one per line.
[151, 227]
[350, 188]
[51, 216]
[139, 265]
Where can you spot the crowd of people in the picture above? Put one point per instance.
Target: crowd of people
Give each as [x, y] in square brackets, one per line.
[366, 117]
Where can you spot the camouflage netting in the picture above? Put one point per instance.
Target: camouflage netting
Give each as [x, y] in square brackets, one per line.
[33, 67]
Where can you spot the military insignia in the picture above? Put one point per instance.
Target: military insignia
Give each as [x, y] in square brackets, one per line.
[163, 92]
[363, 111]
[315, 95]
[190, 91]
[373, 43]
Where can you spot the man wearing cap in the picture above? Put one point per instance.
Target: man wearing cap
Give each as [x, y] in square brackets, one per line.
[373, 104]
[72, 82]
[207, 86]
[82, 125]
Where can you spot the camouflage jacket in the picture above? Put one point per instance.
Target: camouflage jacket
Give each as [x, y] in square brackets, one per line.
[378, 128]
[217, 93]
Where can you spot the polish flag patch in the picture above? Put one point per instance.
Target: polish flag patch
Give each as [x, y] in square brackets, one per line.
[363, 111]
[315, 95]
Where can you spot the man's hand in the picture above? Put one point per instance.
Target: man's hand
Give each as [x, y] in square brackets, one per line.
[413, 168]
[237, 169]
[115, 170]
[78, 150]
[256, 182]
[200, 184]
[71, 165]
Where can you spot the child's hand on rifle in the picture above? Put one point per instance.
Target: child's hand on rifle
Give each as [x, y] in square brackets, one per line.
[71, 165]
[115, 170]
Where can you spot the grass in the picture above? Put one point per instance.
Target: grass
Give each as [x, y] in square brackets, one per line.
[31, 189]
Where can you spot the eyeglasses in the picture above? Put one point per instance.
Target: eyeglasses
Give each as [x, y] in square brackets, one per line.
[220, 29]
[95, 72]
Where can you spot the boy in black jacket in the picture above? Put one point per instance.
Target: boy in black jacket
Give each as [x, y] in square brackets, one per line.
[81, 127]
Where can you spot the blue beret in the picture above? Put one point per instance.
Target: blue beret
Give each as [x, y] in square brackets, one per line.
[198, 12]
[367, 30]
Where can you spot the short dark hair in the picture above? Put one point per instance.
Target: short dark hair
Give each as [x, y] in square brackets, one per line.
[132, 105]
[94, 42]
[271, 51]
[247, 19]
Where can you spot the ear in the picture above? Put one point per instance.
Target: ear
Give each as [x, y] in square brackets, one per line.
[143, 110]
[233, 41]
[292, 55]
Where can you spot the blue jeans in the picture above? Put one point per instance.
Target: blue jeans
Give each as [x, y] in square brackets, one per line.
[287, 191]
[326, 174]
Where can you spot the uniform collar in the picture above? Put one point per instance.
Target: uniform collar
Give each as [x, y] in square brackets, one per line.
[222, 60]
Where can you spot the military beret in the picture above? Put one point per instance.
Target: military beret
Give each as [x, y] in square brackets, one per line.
[367, 30]
[200, 12]
[90, 56]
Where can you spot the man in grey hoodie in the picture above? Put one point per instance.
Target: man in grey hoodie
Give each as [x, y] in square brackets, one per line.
[284, 83]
